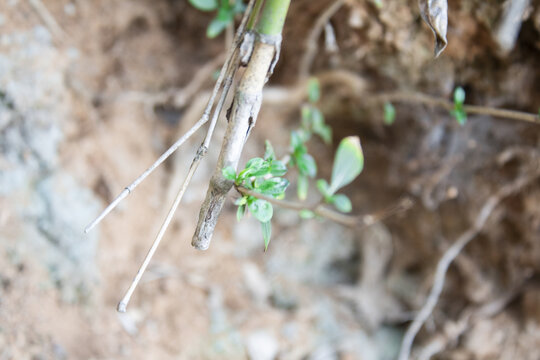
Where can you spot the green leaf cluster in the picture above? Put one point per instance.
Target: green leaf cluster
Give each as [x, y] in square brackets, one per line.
[226, 10]
[389, 114]
[264, 176]
[458, 112]
[348, 164]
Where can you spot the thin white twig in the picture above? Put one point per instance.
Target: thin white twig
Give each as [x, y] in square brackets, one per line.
[224, 72]
[449, 256]
[48, 19]
[228, 74]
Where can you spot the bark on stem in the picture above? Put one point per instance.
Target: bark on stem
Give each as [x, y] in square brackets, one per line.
[245, 108]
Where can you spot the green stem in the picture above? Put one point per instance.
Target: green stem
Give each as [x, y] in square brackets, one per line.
[254, 14]
[273, 17]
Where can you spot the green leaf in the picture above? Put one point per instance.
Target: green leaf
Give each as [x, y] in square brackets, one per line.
[267, 233]
[269, 153]
[306, 165]
[459, 95]
[460, 116]
[215, 27]
[239, 7]
[324, 189]
[277, 168]
[255, 167]
[240, 212]
[306, 116]
[342, 203]
[261, 209]
[204, 5]
[273, 186]
[297, 141]
[314, 91]
[229, 173]
[302, 187]
[348, 163]
[389, 113]
[306, 214]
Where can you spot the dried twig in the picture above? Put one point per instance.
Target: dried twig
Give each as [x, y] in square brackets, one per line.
[314, 34]
[411, 97]
[451, 254]
[48, 19]
[227, 75]
[320, 210]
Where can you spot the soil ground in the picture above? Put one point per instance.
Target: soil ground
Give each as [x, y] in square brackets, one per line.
[86, 107]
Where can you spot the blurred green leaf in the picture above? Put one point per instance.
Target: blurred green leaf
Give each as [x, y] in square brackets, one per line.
[215, 27]
[277, 168]
[306, 165]
[269, 153]
[229, 173]
[204, 5]
[314, 90]
[273, 186]
[459, 95]
[302, 187]
[267, 233]
[342, 203]
[261, 209]
[240, 212]
[324, 189]
[348, 163]
[389, 113]
[306, 214]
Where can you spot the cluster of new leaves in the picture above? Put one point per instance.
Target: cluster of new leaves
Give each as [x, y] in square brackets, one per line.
[312, 123]
[459, 112]
[226, 10]
[263, 176]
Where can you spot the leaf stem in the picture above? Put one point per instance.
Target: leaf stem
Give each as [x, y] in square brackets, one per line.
[319, 209]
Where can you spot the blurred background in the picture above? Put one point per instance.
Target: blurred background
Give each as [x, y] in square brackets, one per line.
[92, 92]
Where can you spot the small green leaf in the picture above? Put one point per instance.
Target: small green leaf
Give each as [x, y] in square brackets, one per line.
[240, 212]
[241, 201]
[204, 5]
[324, 189]
[269, 153]
[460, 116]
[306, 165]
[306, 214]
[342, 203]
[306, 116]
[277, 168]
[229, 173]
[459, 95]
[389, 113]
[297, 141]
[215, 27]
[239, 7]
[348, 163]
[302, 187]
[261, 209]
[314, 91]
[267, 233]
[273, 186]
[255, 167]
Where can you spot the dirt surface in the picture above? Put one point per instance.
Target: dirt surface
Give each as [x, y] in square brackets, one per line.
[87, 105]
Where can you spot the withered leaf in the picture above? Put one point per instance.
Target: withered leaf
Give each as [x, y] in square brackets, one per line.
[435, 14]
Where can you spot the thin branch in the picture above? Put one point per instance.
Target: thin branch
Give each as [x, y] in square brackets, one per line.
[48, 19]
[449, 256]
[313, 37]
[320, 210]
[228, 72]
[225, 70]
[448, 105]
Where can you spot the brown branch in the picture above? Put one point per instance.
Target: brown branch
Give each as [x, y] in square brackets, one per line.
[452, 252]
[448, 105]
[320, 210]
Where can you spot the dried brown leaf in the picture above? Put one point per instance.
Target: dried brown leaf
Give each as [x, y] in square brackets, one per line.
[435, 14]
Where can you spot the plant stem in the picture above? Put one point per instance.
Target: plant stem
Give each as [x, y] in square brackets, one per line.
[320, 210]
[254, 15]
[242, 119]
[273, 17]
